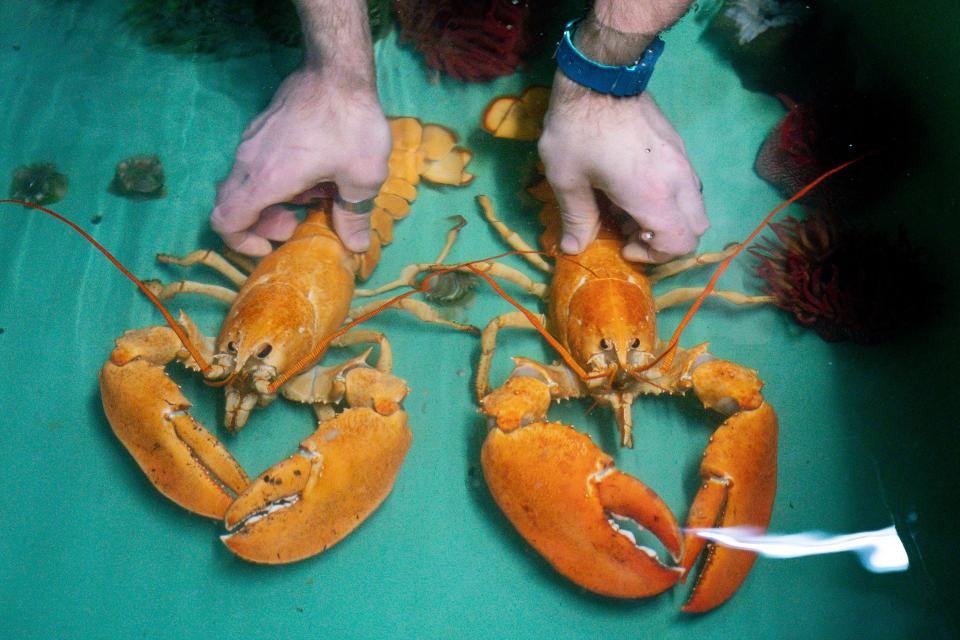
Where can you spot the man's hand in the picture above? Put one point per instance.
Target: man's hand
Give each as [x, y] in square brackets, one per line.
[324, 125]
[626, 148]
[312, 132]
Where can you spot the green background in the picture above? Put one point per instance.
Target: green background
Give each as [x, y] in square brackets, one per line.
[89, 549]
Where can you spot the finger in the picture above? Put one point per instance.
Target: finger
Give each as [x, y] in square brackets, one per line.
[637, 250]
[245, 194]
[658, 232]
[357, 187]
[581, 219]
[689, 198]
[276, 223]
[322, 190]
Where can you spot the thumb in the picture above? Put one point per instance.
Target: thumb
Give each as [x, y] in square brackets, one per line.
[581, 220]
[351, 215]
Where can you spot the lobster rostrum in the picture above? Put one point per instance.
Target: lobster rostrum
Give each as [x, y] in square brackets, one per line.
[288, 310]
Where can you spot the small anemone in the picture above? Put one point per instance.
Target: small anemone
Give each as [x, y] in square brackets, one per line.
[844, 283]
[451, 288]
[139, 177]
[477, 40]
[39, 183]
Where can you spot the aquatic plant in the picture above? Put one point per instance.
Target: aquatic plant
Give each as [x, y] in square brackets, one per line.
[39, 183]
[139, 177]
[845, 283]
[452, 288]
[472, 40]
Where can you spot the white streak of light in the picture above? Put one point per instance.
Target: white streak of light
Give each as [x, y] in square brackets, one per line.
[879, 551]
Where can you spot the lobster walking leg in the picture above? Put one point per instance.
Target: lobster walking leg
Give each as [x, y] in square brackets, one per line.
[168, 291]
[208, 258]
[488, 344]
[686, 294]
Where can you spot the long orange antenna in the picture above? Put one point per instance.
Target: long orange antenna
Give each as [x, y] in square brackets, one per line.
[667, 355]
[177, 329]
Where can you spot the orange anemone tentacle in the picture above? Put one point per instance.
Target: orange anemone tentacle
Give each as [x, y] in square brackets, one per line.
[177, 329]
[667, 355]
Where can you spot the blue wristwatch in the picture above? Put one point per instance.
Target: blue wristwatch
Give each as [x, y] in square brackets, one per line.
[621, 81]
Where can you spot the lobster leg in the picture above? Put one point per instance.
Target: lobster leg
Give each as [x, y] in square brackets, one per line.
[563, 494]
[419, 309]
[210, 259]
[338, 477]
[511, 237]
[686, 294]
[739, 473]
[675, 267]
[488, 344]
[151, 418]
[167, 291]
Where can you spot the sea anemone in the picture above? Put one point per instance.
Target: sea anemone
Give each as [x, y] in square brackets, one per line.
[451, 288]
[824, 132]
[473, 40]
[753, 17]
[39, 183]
[844, 283]
[139, 178]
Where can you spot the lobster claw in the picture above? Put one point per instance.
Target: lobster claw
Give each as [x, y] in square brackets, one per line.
[739, 472]
[562, 492]
[151, 418]
[316, 497]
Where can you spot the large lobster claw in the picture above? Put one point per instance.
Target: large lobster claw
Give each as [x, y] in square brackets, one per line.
[316, 497]
[151, 418]
[739, 472]
[562, 493]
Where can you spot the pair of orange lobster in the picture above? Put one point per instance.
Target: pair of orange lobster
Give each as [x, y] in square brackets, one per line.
[559, 490]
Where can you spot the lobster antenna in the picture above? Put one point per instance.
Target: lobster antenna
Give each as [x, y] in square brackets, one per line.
[177, 329]
[668, 353]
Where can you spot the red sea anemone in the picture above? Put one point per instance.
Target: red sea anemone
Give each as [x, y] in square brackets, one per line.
[845, 283]
[473, 40]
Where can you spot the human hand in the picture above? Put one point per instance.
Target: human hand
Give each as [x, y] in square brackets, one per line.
[626, 148]
[317, 129]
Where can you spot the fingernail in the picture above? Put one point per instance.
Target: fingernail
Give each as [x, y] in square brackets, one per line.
[358, 242]
[570, 244]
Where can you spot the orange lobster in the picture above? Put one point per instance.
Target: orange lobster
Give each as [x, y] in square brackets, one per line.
[563, 493]
[288, 310]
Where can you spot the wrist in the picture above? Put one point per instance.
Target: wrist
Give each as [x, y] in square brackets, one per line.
[639, 16]
[605, 44]
[338, 46]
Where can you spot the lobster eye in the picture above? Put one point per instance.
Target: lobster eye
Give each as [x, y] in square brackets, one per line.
[265, 351]
[635, 344]
[232, 347]
[604, 345]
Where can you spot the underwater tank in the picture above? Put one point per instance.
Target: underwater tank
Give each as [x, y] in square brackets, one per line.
[868, 438]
